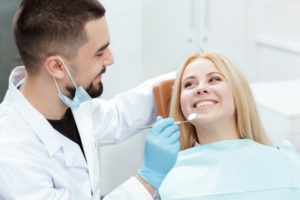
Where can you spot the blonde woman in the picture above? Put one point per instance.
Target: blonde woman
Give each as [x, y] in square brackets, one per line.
[226, 153]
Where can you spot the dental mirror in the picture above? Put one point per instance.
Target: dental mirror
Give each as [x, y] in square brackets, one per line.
[192, 116]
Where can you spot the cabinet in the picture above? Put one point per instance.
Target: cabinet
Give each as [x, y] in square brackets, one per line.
[279, 108]
[9, 57]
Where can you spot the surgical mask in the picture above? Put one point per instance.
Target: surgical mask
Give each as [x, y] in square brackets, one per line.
[80, 94]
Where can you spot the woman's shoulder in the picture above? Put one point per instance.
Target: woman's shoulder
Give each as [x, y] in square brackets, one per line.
[286, 146]
[243, 149]
[291, 154]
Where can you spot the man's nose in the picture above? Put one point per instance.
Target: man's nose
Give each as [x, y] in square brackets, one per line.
[108, 59]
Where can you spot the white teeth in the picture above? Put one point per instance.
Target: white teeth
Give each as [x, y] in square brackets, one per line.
[205, 103]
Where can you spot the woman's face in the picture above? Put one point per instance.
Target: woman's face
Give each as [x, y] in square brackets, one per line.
[205, 91]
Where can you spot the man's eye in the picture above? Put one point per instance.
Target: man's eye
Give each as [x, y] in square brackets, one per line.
[99, 54]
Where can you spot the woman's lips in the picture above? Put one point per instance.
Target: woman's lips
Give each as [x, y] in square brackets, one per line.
[204, 103]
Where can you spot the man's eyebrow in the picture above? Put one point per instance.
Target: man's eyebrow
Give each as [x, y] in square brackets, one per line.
[102, 47]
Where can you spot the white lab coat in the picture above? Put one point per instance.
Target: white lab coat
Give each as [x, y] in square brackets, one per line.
[37, 162]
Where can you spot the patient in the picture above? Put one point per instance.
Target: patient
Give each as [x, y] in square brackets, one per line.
[225, 152]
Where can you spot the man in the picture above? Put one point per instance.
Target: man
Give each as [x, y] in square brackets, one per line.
[50, 125]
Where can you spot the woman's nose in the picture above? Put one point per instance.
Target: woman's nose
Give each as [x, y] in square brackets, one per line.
[201, 89]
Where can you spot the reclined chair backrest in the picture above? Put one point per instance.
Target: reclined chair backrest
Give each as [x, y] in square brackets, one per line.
[162, 95]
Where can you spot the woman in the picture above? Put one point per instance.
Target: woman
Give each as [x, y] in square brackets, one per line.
[226, 153]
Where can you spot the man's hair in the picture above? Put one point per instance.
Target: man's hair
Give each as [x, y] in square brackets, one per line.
[48, 27]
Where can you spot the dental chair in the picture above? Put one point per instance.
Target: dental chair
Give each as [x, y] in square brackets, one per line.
[162, 93]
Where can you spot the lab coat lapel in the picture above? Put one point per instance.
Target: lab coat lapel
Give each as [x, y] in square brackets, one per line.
[52, 139]
[84, 121]
[72, 153]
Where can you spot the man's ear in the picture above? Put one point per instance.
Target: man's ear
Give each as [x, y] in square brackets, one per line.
[54, 67]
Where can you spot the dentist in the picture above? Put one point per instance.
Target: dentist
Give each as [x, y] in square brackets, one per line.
[52, 121]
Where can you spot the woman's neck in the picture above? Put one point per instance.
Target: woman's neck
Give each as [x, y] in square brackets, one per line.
[218, 131]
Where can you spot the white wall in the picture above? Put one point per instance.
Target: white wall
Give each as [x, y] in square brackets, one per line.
[226, 28]
[120, 162]
[241, 29]
[168, 34]
[124, 21]
[282, 16]
[278, 42]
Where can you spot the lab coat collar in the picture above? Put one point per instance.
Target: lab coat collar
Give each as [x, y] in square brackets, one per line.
[47, 134]
[52, 139]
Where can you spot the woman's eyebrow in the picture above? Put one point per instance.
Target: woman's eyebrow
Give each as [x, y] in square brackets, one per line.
[188, 77]
[212, 73]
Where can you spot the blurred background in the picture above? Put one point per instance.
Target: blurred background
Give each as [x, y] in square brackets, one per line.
[152, 37]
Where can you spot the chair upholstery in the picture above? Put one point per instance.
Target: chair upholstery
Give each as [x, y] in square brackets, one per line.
[162, 96]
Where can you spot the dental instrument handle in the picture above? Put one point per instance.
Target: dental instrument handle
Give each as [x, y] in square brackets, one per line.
[191, 117]
[150, 126]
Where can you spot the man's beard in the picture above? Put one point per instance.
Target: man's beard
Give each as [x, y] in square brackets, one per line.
[92, 91]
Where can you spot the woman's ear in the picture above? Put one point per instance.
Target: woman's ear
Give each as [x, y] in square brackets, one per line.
[54, 67]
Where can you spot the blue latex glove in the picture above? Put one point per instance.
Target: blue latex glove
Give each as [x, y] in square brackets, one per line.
[160, 152]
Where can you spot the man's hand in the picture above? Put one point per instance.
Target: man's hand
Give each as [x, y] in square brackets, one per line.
[160, 152]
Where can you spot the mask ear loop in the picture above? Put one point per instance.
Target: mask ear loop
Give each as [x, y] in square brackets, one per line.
[67, 71]
[55, 81]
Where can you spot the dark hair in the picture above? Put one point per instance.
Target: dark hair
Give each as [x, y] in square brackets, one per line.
[47, 27]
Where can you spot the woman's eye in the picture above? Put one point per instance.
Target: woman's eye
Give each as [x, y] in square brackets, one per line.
[187, 84]
[214, 79]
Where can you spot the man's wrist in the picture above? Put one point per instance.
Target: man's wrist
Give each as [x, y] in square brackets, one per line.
[148, 187]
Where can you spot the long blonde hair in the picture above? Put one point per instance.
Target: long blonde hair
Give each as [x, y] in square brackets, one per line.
[247, 118]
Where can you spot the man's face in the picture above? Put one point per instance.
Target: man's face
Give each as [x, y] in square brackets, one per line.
[92, 58]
